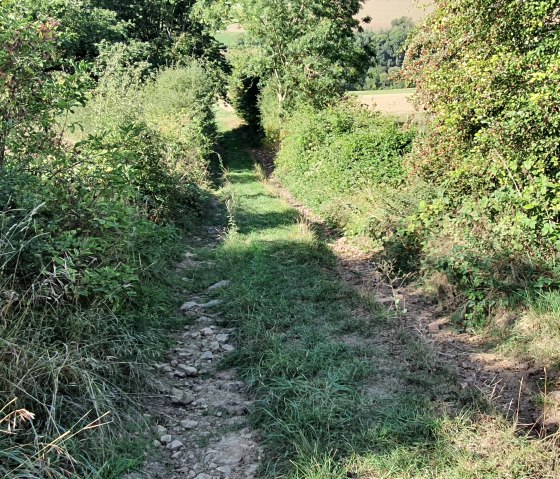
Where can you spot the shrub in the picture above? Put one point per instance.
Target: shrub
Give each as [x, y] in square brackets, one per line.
[333, 159]
[487, 73]
[179, 105]
[88, 233]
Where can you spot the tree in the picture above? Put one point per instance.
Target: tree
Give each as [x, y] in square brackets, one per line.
[389, 47]
[168, 27]
[488, 73]
[37, 85]
[302, 49]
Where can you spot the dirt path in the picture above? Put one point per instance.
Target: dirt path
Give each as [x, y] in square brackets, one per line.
[511, 385]
[200, 410]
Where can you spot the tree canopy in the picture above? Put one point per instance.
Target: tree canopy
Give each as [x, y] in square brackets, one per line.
[303, 50]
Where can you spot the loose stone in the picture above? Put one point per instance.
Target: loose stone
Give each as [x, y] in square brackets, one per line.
[175, 445]
[189, 424]
[207, 356]
[220, 284]
[210, 304]
[189, 305]
[207, 332]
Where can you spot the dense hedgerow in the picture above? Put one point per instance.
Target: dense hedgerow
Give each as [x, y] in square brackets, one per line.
[331, 157]
[88, 232]
[487, 73]
[478, 197]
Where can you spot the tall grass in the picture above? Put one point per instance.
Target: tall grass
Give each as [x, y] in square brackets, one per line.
[86, 261]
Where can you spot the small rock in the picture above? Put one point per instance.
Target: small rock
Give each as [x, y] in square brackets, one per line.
[204, 319]
[161, 430]
[222, 338]
[207, 356]
[207, 332]
[166, 439]
[228, 348]
[190, 371]
[175, 445]
[215, 346]
[176, 455]
[219, 285]
[433, 327]
[173, 363]
[189, 424]
[210, 304]
[202, 475]
[190, 305]
[180, 374]
[224, 470]
[179, 396]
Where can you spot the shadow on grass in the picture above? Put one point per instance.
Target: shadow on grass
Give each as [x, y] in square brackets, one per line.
[300, 350]
[332, 376]
[299, 334]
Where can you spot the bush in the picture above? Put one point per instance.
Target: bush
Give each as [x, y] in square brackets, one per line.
[88, 234]
[333, 159]
[179, 105]
[487, 73]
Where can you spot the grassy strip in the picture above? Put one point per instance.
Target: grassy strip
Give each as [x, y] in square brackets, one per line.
[341, 390]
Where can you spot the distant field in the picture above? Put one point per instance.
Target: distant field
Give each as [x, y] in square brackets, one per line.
[405, 91]
[383, 11]
[391, 102]
[228, 38]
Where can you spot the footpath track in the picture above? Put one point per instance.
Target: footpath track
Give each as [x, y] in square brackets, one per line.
[298, 362]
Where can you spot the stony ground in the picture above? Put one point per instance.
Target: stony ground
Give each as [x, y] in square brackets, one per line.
[200, 411]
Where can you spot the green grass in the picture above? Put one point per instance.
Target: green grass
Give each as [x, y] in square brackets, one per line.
[384, 92]
[535, 335]
[341, 389]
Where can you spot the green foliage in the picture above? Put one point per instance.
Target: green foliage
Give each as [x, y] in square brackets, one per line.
[332, 155]
[36, 86]
[301, 51]
[389, 47]
[168, 29]
[493, 140]
[90, 204]
[244, 93]
[488, 76]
